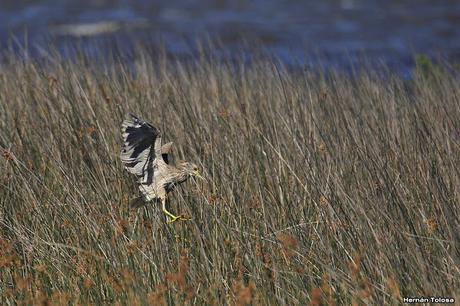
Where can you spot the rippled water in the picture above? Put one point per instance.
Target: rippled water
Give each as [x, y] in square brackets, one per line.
[339, 31]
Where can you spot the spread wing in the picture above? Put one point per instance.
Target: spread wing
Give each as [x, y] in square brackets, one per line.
[141, 149]
[165, 150]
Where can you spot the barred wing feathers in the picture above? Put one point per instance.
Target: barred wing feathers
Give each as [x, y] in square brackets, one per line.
[141, 149]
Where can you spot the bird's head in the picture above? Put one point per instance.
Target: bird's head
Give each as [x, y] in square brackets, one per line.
[190, 169]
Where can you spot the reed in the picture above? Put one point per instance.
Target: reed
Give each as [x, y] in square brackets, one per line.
[321, 187]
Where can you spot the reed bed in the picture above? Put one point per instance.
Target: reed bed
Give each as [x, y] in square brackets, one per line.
[321, 188]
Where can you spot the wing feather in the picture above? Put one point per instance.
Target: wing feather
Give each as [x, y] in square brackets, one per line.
[165, 150]
[141, 148]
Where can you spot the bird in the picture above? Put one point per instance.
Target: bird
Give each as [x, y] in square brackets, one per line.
[143, 155]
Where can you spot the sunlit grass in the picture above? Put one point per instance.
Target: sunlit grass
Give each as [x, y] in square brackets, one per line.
[321, 188]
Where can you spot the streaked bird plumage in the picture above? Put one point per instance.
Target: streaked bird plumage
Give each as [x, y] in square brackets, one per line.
[143, 155]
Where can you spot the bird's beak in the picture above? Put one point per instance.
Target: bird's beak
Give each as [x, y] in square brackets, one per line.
[197, 174]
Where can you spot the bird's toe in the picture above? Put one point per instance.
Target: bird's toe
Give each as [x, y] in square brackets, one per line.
[178, 218]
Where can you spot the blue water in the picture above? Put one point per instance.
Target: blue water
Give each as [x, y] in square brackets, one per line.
[335, 33]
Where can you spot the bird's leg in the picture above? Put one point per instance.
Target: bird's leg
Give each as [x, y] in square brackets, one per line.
[169, 214]
[172, 217]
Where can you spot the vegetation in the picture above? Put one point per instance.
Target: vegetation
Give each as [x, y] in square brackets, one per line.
[321, 188]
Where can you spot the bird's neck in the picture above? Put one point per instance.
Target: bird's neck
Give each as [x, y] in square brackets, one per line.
[182, 177]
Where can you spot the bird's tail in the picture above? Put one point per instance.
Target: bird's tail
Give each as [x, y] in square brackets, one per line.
[137, 202]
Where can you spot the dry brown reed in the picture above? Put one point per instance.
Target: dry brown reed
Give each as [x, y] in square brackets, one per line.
[321, 187]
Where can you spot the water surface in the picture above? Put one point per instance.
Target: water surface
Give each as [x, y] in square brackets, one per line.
[339, 31]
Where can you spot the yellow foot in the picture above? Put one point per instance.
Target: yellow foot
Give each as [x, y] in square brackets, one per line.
[177, 218]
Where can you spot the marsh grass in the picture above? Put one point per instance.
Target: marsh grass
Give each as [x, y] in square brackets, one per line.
[321, 187]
